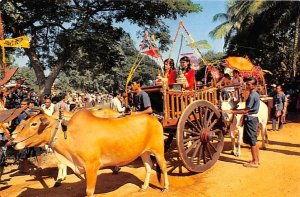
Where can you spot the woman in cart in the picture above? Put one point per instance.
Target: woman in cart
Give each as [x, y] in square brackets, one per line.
[170, 71]
[188, 72]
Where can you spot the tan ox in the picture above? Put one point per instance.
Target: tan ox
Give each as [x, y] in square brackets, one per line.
[104, 113]
[94, 143]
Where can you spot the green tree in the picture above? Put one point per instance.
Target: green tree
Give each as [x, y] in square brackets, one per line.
[270, 38]
[115, 78]
[239, 15]
[81, 34]
[28, 75]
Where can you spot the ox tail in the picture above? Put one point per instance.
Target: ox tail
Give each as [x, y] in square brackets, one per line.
[157, 168]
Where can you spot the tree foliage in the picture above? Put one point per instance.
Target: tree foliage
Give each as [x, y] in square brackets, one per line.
[80, 35]
[269, 36]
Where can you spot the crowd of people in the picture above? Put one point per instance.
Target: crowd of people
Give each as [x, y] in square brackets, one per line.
[26, 98]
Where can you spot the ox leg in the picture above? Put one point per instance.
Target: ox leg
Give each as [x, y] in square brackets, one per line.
[62, 173]
[264, 137]
[148, 166]
[163, 166]
[91, 177]
[239, 141]
[233, 148]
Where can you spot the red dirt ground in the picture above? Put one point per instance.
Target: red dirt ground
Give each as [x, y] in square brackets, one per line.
[278, 175]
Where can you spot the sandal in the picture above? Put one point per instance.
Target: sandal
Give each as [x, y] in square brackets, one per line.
[250, 165]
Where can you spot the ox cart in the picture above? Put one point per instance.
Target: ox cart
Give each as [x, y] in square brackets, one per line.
[194, 120]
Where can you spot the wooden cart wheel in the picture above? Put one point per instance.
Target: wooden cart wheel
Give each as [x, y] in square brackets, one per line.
[199, 136]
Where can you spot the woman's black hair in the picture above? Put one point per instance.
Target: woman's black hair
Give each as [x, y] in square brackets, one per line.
[172, 65]
[254, 81]
[236, 71]
[137, 80]
[226, 75]
[186, 59]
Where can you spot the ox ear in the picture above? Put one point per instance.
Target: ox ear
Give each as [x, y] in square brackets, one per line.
[44, 121]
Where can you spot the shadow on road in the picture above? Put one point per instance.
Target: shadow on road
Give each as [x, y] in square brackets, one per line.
[286, 152]
[283, 144]
[106, 183]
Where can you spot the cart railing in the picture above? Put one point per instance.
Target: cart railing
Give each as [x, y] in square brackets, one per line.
[176, 101]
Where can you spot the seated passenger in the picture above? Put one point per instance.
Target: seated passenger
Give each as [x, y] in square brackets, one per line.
[170, 71]
[237, 80]
[188, 72]
[225, 80]
[141, 100]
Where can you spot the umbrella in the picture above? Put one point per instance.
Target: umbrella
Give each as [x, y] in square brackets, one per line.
[239, 63]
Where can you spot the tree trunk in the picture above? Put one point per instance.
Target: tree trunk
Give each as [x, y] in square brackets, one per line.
[44, 83]
[296, 46]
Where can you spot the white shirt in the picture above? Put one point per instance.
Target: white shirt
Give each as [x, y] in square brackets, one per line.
[116, 104]
[49, 111]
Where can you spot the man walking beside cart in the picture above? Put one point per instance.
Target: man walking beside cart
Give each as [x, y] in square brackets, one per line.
[250, 122]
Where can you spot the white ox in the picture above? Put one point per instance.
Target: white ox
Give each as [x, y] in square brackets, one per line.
[94, 143]
[236, 129]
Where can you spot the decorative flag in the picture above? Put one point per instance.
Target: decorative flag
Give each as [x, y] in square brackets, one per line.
[152, 52]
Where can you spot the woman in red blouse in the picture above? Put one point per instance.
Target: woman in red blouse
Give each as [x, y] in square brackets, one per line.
[170, 71]
[188, 72]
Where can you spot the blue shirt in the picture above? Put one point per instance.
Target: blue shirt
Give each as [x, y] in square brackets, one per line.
[279, 100]
[142, 101]
[253, 102]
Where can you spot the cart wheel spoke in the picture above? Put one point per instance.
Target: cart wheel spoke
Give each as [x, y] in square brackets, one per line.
[196, 119]
[211, 145]
[191, 139]
[192, 146]
[190, 122]
[204, 155]
[195, 152]
[200, 154]
[209, 118]
[212, 125]
[208, 151]
[190, 131]
[205, 117]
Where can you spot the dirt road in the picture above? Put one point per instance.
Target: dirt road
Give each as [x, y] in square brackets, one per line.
[278, 175]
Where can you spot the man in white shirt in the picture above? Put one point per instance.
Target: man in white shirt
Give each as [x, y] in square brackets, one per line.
[116, 103]
[48, 107]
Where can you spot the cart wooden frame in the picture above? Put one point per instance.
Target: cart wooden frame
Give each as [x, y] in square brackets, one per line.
[194, 118]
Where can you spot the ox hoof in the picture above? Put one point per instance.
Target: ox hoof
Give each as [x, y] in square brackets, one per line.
[232, 153]
[116, 170]
[57, 183]
[164, 190]
[264, 148]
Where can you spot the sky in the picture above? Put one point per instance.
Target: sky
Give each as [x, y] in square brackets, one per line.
[198, 24]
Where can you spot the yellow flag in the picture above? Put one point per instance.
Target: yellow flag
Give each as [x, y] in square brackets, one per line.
[22, 41]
